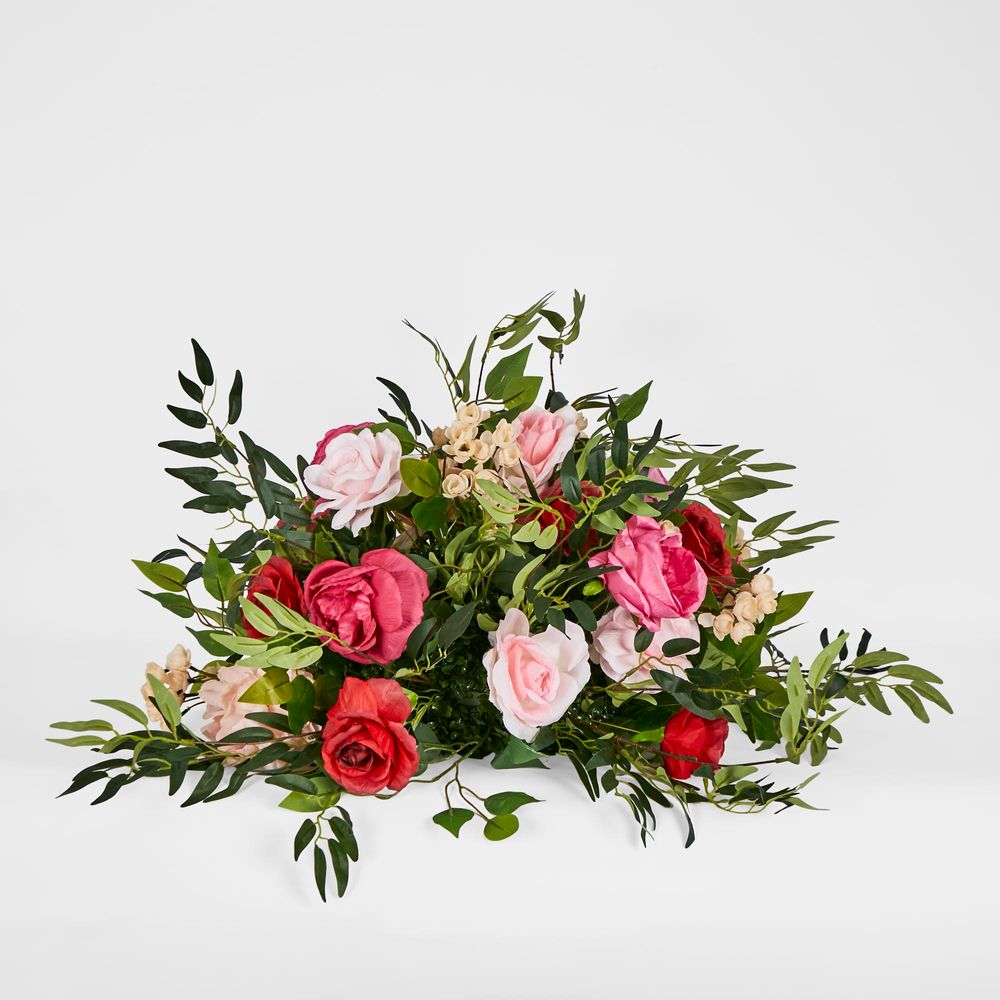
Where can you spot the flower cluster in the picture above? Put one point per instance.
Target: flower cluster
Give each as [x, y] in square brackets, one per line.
[520, 584]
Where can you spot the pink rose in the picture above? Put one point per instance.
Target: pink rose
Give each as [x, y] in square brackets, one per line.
[544, 439]
[613, 648]
[533, 679]
[355, 474]
[658, 578]
[371, 608]
[331, 434]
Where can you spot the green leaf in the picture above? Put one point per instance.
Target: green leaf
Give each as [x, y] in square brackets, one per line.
[78, 741]
[297, 660]
[508, 367]
[257, 617]
[207, 784]
[453, 820]
[521, 579]
[642, 639]
[521, 392]
[912, 702]
[517, 753]
[929, 693]
[319, 871]
[340, 866]
[291, 782]
[345, 835]
[190, 418]
[200, 449]
[126, 708]
[909, 672]
[422, 477]
[768, 525]
[430, 514]
[507, 802]
[274, 688]
[236, 397]
[191, 387]
[679, 647]
[631, 406]
[456, 625]
[570, 481]
[548, 537]
[217, 573]
[304, 837]
[165, 576]
[85, 726]
[165, 702]
[789, 605]
[303, 803]
[202, 364]
[500, 827]
[584, 614]
[824, 661]
[874, 697]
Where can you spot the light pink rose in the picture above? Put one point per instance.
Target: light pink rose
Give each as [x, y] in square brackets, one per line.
[333, 433]
[545, 439]
[356, 473]
[613, 648]
[225, 714]
[533, 679]
[658, 578]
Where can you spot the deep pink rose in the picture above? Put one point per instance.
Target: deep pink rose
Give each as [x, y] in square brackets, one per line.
[658, 578]
[331, 434]
[371, 608]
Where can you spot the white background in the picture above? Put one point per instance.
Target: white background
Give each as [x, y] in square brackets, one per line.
[786, 213]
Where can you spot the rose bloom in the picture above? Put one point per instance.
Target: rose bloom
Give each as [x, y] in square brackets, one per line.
[613, 648]
[371, 608]
[690, 735]
[533, 679]
[224, 712]
[355, 474]
[333, 433]
[658, 578]
[276, 579]
[564, 515]
[365, 745]
[544, 439]
[705, 538]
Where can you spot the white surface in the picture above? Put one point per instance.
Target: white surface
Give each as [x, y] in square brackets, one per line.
[786, 213]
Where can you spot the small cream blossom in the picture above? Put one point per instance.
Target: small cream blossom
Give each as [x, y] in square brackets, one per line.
[761, 584]
[740, 631]
[458, 484]
[482, 474]
[470, 414]
[723, 624]
[746, 609]
[508, 455]
[767, 603]
[482, 450]
[174, 678]
[505, 434]
[581, 422]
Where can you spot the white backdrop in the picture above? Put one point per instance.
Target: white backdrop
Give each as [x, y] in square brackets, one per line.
[787, 213]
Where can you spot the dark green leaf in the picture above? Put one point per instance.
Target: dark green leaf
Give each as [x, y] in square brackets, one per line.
[517, 753]
[202, 364]
[203, 449]
[429, 514]
[453, 820]
[340, 865]
[319, 871]
[569, 480]
[190, 418]
[207, 784]
[236, 397]
[304, 837]
[190, 387]
[345, 835]
[456, 625]
[507, 802]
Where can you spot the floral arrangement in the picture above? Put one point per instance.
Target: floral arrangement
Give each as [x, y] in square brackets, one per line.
[522, 582]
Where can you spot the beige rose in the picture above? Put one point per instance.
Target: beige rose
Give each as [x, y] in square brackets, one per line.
[505, 434]
[740, 631]
[508, 455]
[761, 584]
[745, 608]
[458, 484]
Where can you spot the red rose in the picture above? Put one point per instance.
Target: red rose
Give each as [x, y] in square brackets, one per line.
[564, 515]
[690, 735]
[365, 746]
[330, 435]
[705, 538]
[371, 608]
[276, 579]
